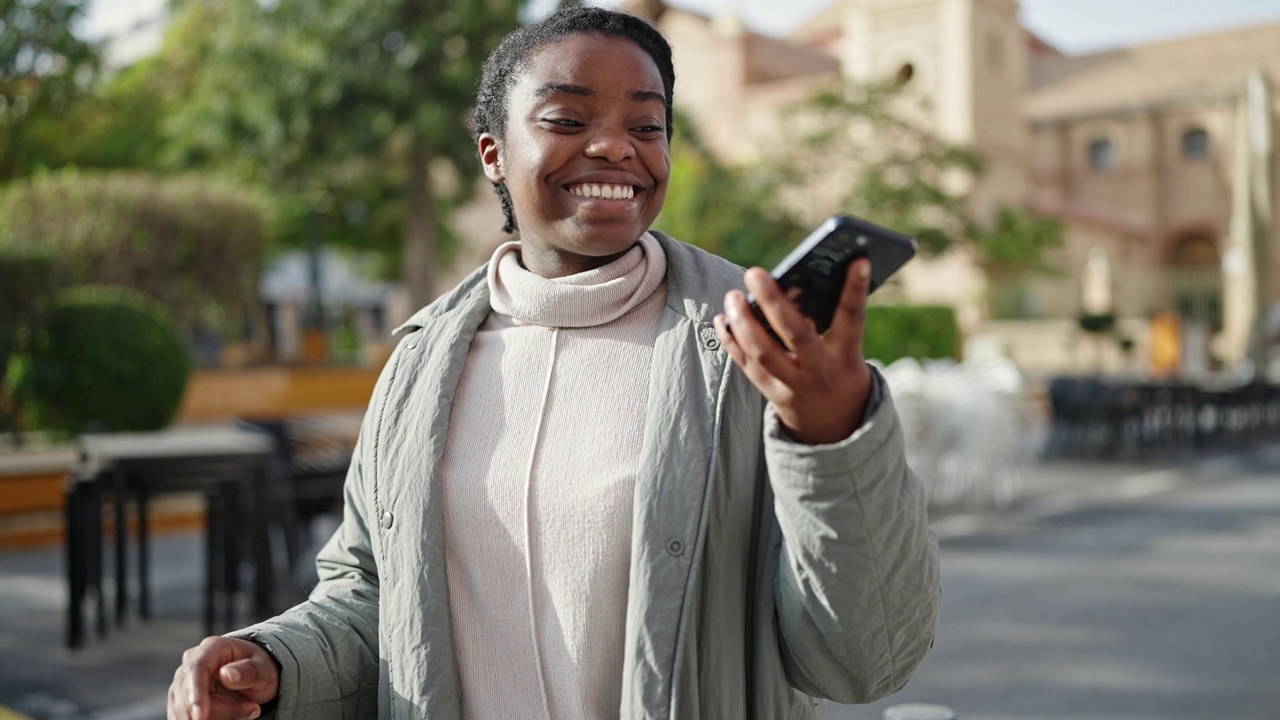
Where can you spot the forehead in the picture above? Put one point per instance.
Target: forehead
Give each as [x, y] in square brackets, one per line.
[593, 60]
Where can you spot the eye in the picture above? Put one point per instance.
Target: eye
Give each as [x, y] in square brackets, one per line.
[649, 130]
[561, 122]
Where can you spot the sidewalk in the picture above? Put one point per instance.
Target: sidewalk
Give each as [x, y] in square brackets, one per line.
[126, 675]
[123, 677]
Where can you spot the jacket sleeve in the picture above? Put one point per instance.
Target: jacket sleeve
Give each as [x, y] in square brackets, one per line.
[857, 586]
[327, 646]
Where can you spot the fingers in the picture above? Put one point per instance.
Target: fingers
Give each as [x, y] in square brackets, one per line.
[239, 675]
[198, 664]
[729, 341]
[819, 389]
[795, 330]
[851, 313]
[222, 678]
[763, 359]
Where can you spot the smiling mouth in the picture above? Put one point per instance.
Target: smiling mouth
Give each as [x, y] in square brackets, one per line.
[606, 191]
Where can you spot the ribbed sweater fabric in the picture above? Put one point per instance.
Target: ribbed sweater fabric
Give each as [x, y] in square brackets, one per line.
[539, 475]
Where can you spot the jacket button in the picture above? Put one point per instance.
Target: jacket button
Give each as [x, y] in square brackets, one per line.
[709, 339]
[675, 547]
[387, 520]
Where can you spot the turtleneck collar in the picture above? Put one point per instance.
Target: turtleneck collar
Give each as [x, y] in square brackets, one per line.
[589, 298]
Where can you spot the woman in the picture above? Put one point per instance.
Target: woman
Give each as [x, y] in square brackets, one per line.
[576, 494]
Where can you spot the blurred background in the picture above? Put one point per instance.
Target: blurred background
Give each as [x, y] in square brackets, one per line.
[214, 212]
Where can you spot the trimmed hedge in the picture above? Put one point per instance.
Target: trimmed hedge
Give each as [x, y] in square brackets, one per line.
[917, 331]
[193, 244]
[111, 360]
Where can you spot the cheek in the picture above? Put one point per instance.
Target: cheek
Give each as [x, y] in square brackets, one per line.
[659, 166]
[664, 161]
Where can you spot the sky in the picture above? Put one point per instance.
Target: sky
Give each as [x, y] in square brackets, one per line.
[1073, 26]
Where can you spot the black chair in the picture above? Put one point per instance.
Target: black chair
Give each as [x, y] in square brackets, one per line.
[310, 466]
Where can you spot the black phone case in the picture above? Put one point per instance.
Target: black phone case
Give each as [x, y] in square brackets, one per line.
[817, 267]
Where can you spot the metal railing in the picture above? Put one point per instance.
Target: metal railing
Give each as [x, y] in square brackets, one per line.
[1107, 418]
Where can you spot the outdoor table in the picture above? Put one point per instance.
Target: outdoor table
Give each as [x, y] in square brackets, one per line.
[229, 465]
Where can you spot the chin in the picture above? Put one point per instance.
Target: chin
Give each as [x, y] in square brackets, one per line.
[595, 240]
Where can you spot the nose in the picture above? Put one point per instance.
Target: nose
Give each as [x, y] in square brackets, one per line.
[611, 145]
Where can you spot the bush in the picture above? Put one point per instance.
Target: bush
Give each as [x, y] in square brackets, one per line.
[26, 295]
[195, 245]
[730, 211]
[917, 331]
[111, 360]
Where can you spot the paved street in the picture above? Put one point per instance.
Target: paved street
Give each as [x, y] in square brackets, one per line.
[1159, 604]
[1113, 593]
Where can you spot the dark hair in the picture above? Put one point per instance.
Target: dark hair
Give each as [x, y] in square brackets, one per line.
[504, 64]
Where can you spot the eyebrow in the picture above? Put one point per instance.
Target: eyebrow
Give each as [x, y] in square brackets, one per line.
[568, 89]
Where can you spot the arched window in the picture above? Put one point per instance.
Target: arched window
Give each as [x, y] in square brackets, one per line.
[1102, 154]
[1195, 278]
[1195, 143]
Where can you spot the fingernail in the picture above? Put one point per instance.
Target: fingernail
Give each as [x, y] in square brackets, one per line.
[233, 674]
[195, 712]
[864, 270]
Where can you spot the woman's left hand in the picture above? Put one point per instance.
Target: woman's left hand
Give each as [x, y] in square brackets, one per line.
[818, 384]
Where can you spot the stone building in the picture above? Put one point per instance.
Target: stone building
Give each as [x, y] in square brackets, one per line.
[1143, 152]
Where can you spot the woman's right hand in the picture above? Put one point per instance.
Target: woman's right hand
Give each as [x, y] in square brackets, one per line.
[223, 679]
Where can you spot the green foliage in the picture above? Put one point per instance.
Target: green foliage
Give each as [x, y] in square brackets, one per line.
[340, 105]
[195, 245]
[44, 68]
[918, 331]
[730, 211]
[26, 296]
[1020, 241]
[115, 124]
[111, 360]
[859, 149]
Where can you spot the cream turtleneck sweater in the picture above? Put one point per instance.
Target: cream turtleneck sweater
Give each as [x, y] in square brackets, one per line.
[539, 472]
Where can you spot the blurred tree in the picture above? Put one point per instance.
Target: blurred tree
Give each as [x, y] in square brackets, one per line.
[731, 211]
[865, 149]
[44, 67]
[858, 149]
[27, 285]
[356, 109]
[114, 125]
[1020, 241]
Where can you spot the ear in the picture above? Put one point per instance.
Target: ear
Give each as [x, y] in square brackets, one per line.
[490, 156]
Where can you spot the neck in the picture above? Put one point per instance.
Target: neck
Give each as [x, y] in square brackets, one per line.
[558, 264]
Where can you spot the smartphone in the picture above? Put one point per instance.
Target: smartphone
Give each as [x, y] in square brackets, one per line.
[813, 273]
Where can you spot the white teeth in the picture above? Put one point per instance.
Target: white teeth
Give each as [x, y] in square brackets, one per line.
[608, 192]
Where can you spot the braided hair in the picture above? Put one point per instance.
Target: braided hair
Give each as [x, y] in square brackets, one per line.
[503, 67]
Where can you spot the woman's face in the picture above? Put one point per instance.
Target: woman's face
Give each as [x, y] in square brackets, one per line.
[585, 156]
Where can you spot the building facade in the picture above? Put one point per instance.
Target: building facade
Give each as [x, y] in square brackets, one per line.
[1157, 158]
